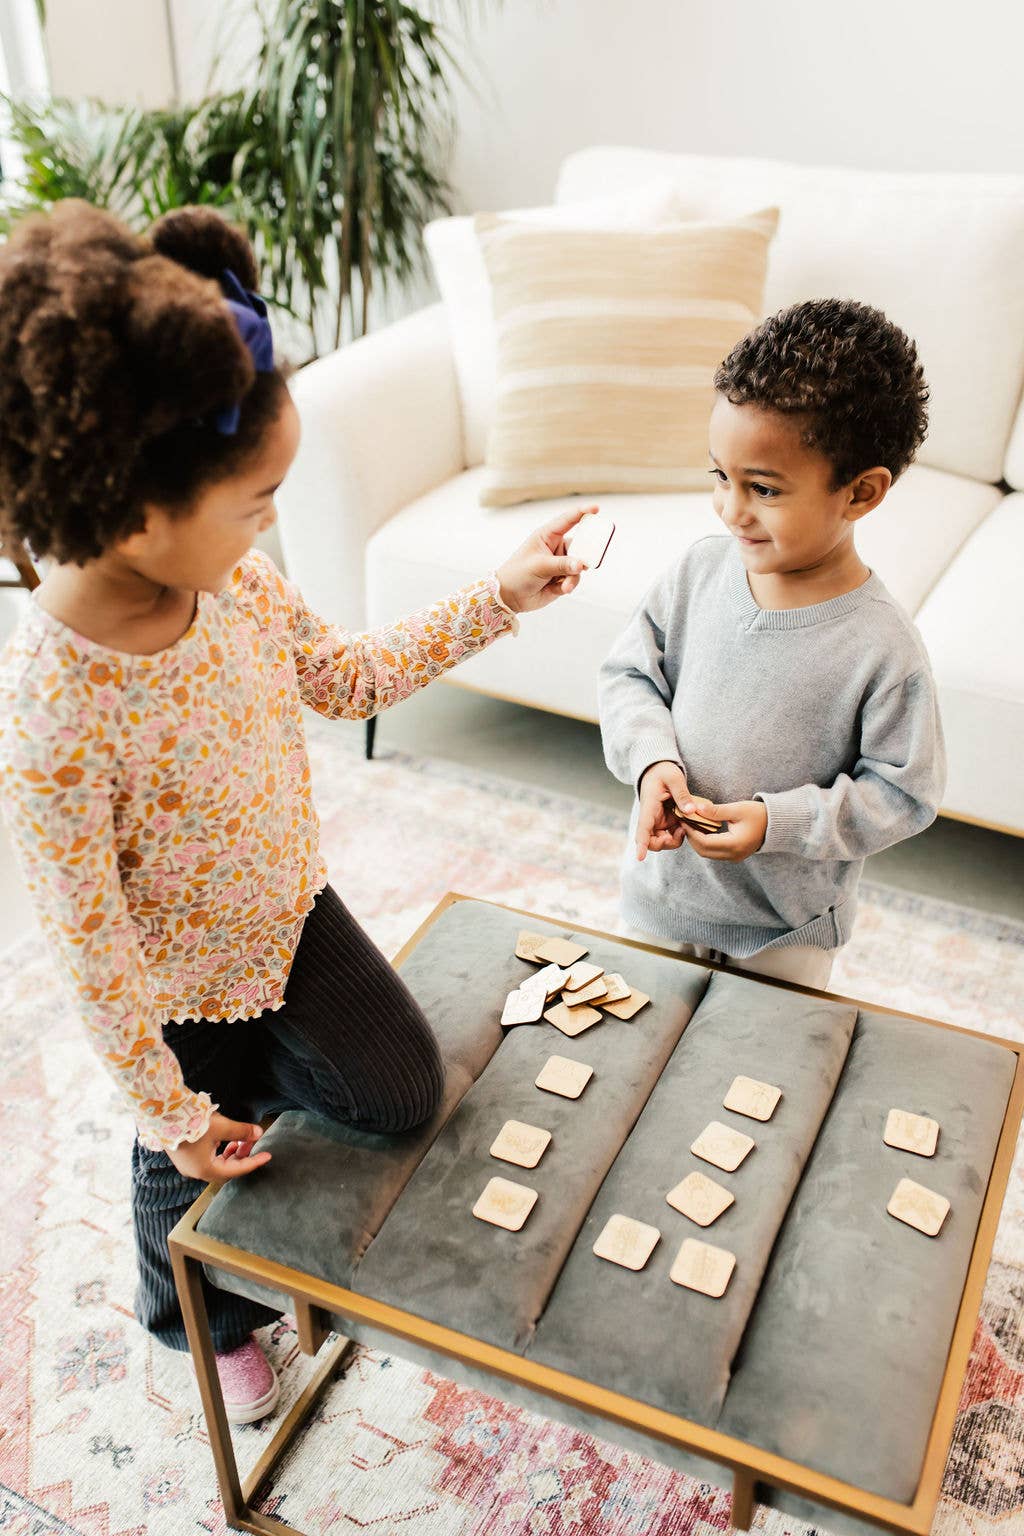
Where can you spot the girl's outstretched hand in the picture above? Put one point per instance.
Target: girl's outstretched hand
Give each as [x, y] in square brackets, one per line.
[201, 1160]
[540, 570]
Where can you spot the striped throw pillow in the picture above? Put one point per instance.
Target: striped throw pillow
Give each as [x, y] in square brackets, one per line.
[607, 345]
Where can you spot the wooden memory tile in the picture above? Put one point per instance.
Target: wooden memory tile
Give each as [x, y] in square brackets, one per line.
[564, 952]
[700, 1198]
[918, 1207]
[528, 943]
[505, 1204]
[629, 1006]
[572, 1021]
[594, 992]
[748, 1096]
[523, 1007]
[581, 975]
[551, 979]
[703, 1267]
[911, 1133]
[562, 1075]
[520, 1143]
[721, 1145]
[616, 990]
[627, 1242]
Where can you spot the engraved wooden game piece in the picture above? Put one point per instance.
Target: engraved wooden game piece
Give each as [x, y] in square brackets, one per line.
[911, 1133]
[918, 1207]
[749, 1097]
[528, 943]
[522, 1144]
[700, 1198]
[505, 1204]
[560, 952]
[572, 1021]
[701, 823]
[616, 990]
[721, 1145]
[702, 1267]
[523, 1007]
[551, 978]
[629, 1005]
[582, 974]
[627, 1242]
[562, 1075]
[590, 539]
[594, 992]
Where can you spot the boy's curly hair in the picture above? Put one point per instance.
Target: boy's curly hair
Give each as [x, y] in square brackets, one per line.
[848, 372]
[116, 350]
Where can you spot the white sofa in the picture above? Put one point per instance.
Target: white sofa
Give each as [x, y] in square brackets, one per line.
[380, 513]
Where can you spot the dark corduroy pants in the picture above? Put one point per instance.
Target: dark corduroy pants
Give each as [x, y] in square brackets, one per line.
[350, 1042]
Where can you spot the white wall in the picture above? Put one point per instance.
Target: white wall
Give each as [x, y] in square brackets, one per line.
[117, 50]
[903, 84]
[891, 84]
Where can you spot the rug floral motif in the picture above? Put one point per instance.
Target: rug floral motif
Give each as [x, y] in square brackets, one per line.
[100, 1428]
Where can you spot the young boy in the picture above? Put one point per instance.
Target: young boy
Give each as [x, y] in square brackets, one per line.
[769, 679]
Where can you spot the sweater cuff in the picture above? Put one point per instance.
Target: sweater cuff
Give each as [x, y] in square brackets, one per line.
[652, 749]
[790, 819]
[495, 586]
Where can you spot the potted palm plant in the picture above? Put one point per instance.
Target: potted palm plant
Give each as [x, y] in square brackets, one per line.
[332, 156]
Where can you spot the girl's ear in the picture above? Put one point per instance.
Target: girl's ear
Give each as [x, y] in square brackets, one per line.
[187, 357]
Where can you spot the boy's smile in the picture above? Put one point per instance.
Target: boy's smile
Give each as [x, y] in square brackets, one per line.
[775, 495]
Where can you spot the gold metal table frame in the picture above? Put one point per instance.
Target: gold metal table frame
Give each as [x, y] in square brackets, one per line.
[314, 1301]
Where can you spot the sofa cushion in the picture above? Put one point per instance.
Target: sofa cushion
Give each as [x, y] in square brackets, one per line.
[940, 254]
[849, 1282]
[465, 288]
[482, 1279]
[445, 539]
[600, 1316]
[973, 626]
[1013, 470]
[607, 349]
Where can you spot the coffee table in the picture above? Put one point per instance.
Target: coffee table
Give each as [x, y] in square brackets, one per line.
[783, 1388]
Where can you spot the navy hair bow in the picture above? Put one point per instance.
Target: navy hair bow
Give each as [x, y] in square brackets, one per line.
[250, 313]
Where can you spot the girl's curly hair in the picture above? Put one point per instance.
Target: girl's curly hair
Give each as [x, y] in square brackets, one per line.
[116, 351]
[848, 372]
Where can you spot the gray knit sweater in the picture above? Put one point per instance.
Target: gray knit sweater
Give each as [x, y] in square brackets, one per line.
[826, 713]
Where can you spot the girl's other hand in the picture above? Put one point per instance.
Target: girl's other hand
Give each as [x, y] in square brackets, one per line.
[201, 1160]
[662, 787]
[541, 570]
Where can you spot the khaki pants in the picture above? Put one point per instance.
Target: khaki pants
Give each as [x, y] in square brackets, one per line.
[802, 963]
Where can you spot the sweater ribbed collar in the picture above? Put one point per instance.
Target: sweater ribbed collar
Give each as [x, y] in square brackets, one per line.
[756, 617]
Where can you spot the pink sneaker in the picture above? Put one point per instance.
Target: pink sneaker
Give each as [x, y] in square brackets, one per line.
[248, 1382]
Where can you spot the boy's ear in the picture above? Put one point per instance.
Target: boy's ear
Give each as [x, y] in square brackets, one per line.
[866, 490]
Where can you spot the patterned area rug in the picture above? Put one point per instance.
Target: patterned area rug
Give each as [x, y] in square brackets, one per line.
[100, 1430]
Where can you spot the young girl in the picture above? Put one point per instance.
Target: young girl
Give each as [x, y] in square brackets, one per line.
[153, 769]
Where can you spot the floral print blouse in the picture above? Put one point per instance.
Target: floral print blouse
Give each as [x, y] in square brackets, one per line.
[161, 812]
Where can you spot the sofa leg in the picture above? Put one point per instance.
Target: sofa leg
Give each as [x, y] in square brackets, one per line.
[371, 733]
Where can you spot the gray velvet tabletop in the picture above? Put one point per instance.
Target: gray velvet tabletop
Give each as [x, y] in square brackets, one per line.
[831, 1340]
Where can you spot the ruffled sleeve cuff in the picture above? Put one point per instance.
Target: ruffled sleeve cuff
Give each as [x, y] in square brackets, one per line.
[494, 587]
[189, 1122]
